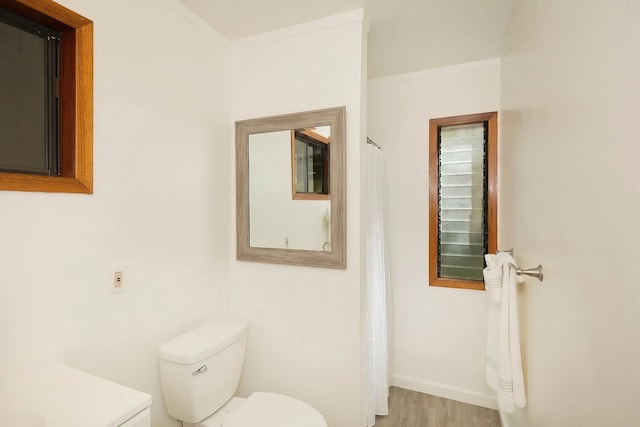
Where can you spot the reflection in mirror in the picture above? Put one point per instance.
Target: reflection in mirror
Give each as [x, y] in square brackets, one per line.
[310, 162]
[276, 219]
[290, 189]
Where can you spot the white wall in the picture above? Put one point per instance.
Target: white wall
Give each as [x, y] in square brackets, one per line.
[304, 336]
[160, 208]
[570, 201]
[275, 218]
[439, 334]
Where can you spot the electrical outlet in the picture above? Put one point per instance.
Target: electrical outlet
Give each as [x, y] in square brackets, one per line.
[118, 282]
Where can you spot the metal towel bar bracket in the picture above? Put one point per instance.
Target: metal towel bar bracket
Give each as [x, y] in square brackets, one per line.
[533, 272]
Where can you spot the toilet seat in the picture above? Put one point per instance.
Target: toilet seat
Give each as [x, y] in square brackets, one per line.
[273, 410]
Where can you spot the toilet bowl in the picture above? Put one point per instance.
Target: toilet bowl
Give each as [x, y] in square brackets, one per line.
[200, 371]
[266, 410]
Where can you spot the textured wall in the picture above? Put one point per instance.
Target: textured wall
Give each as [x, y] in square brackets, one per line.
[304, 336]
[160, 208]
[439, 334]
[571, 201]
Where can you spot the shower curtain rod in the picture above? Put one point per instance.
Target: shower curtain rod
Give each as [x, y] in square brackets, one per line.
[370, 141]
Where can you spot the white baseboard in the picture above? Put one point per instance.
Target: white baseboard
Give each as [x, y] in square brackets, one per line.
[445, 390]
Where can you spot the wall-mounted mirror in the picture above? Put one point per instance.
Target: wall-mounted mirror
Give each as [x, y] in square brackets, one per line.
[290, 189]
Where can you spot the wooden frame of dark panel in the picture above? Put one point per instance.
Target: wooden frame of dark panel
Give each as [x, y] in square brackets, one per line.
[76, 93]
[492, 207]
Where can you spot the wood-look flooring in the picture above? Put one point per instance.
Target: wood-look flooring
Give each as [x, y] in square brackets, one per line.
[412, 409]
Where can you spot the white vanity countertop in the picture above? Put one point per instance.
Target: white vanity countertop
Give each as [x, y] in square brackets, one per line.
[65, 397]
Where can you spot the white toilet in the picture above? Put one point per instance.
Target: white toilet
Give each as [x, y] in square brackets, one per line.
[200, 371]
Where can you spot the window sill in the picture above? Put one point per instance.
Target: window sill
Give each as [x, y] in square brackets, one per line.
[310, 196]
[457, 283]
[43, 183]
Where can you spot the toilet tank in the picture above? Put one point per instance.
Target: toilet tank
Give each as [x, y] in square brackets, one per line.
[200, 369]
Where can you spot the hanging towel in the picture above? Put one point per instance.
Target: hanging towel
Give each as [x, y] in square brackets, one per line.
[504, 362]
[493, 276]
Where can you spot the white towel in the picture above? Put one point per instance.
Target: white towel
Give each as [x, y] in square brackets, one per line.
[493, 276]
[504, 363]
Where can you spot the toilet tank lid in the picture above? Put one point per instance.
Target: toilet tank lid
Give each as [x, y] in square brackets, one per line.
[200, 343]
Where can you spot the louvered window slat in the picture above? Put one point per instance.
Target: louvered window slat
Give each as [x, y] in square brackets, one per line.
[462, 214]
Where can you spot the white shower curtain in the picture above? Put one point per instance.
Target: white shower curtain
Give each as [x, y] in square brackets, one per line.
[377, 292]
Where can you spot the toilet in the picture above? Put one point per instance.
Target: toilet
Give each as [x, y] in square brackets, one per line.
[200, 371]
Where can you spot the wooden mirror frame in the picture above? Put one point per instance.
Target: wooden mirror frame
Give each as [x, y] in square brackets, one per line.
[336, 257]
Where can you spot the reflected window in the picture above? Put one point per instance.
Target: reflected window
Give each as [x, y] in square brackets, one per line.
[310, 163]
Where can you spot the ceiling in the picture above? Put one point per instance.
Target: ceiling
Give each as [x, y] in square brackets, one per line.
[404, 36]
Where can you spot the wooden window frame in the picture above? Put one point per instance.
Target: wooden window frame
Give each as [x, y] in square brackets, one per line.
[76, 100]
[491, 119]
[294, 176]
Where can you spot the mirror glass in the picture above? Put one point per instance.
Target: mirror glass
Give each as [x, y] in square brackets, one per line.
[290, 189]
[289, 197]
